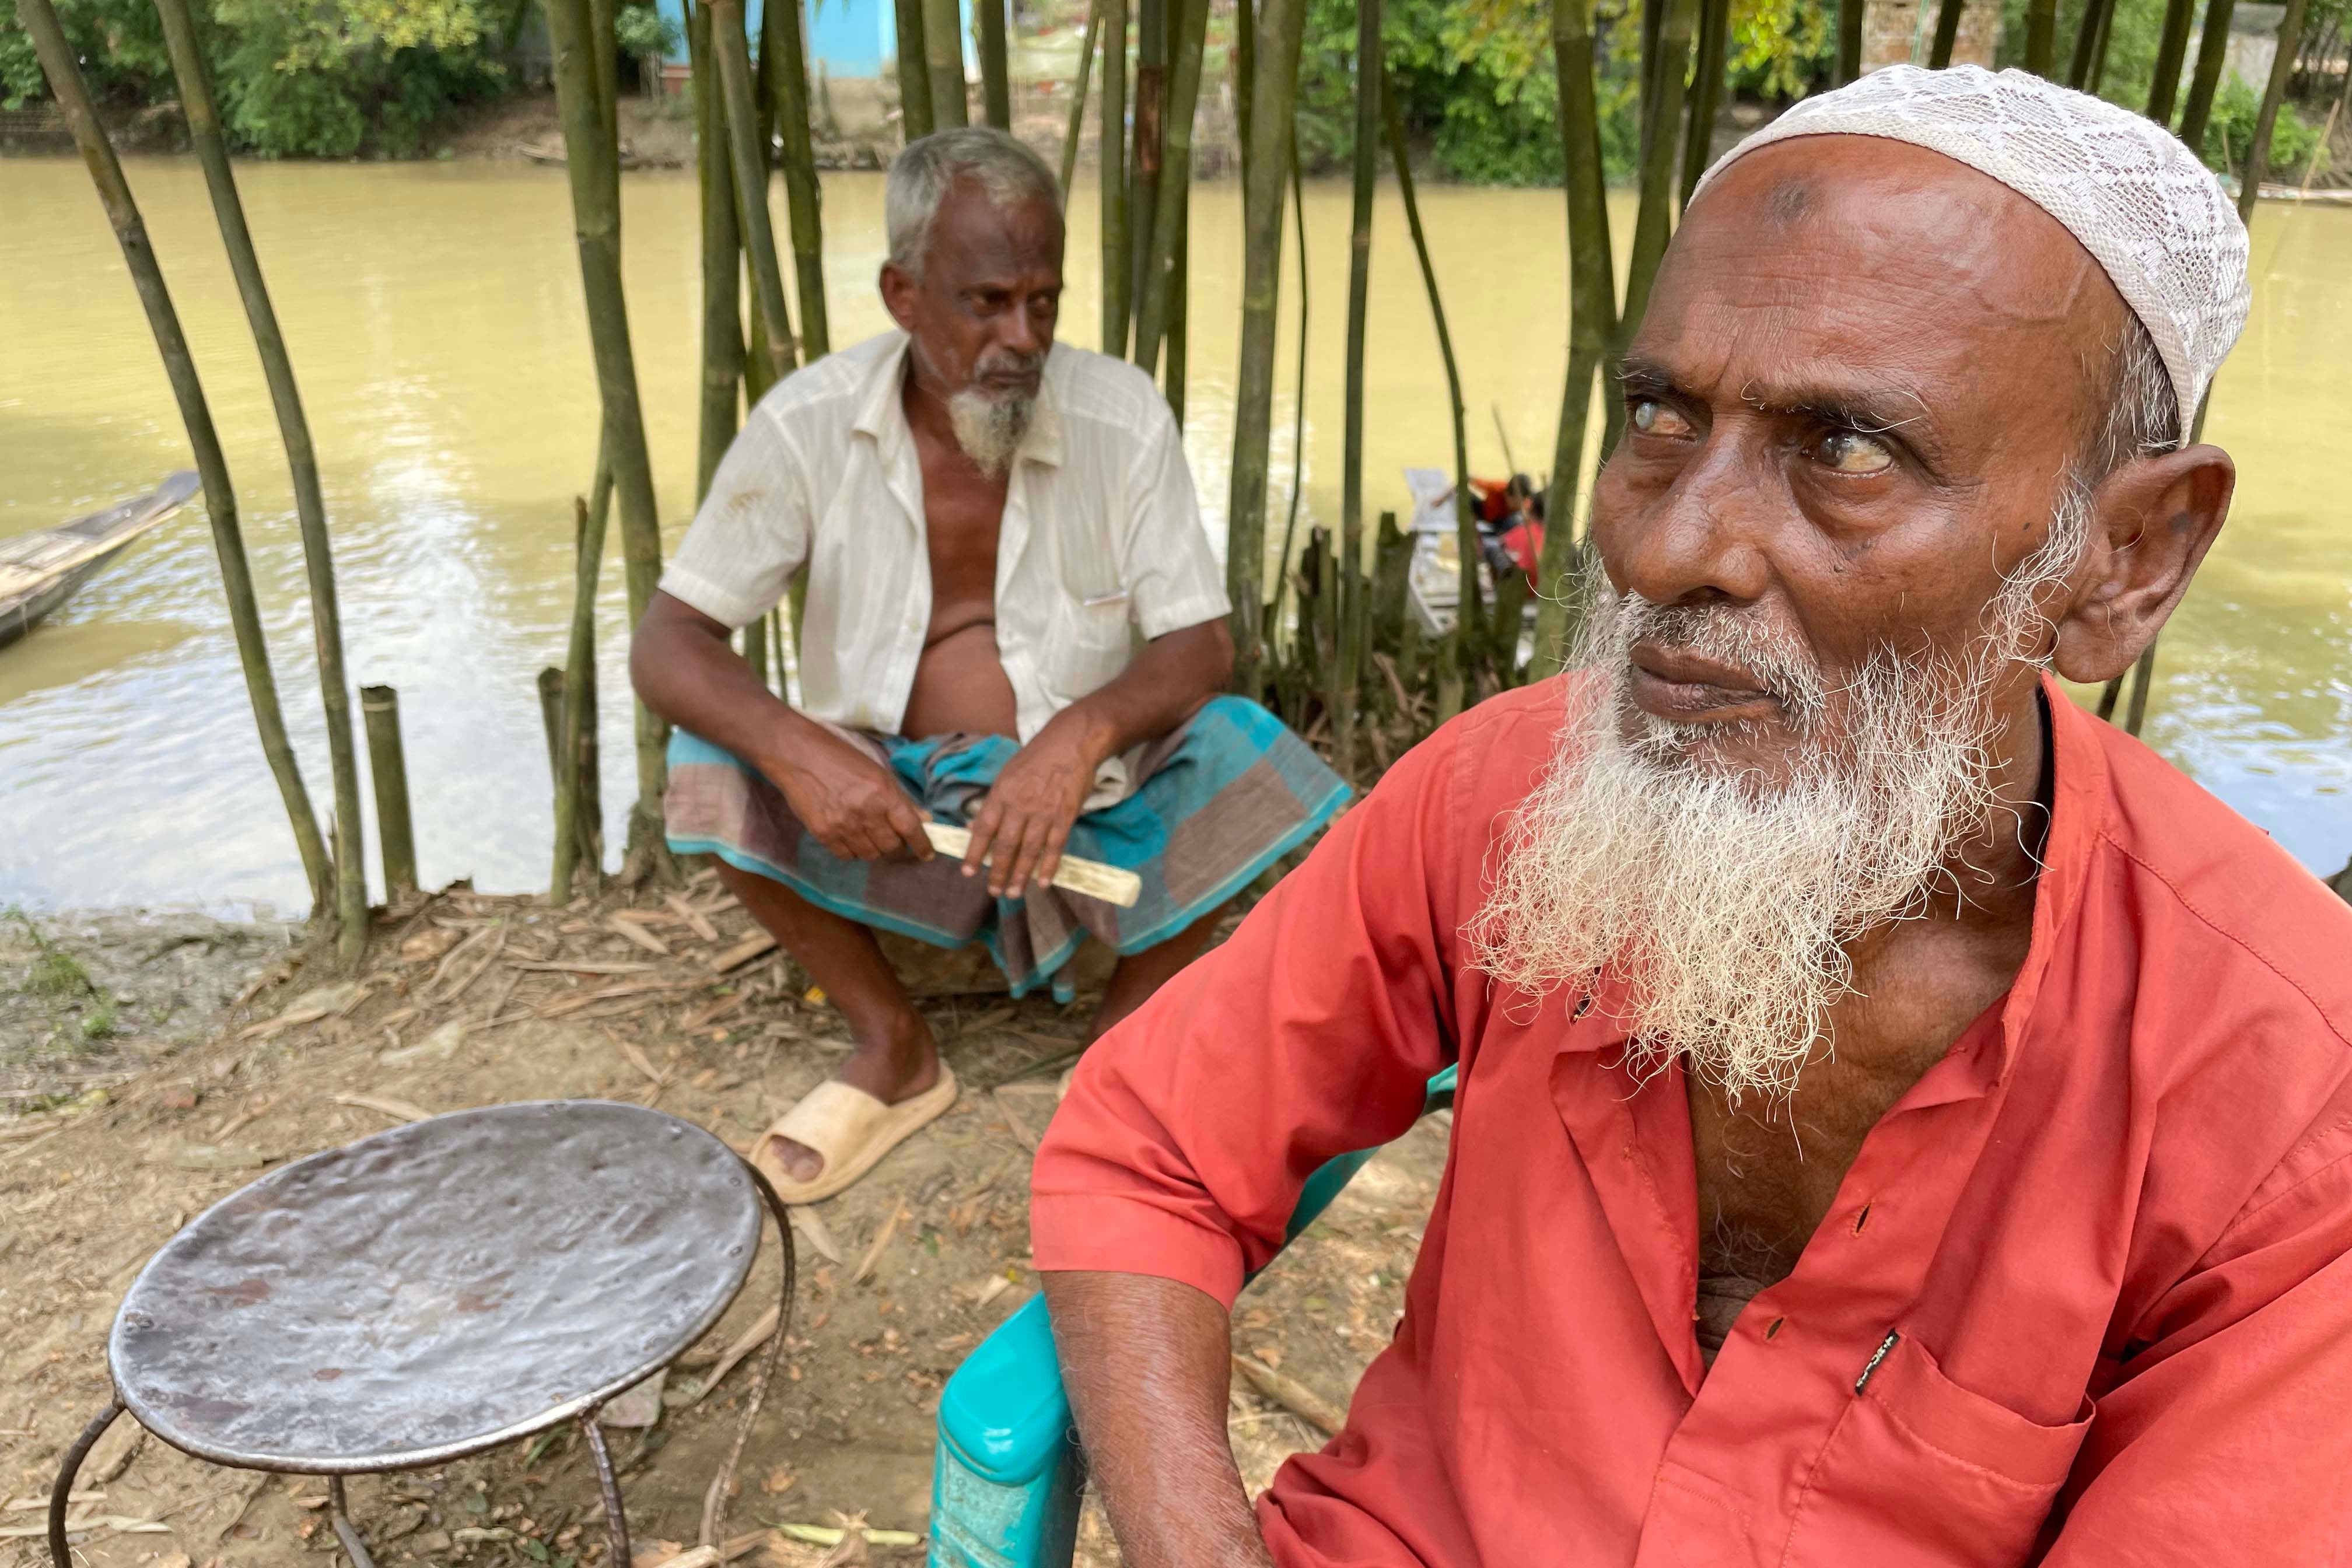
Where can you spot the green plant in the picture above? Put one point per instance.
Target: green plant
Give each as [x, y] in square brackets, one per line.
[642, 31]
[2231, 132]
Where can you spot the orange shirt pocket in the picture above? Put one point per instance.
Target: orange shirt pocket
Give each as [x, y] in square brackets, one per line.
[1922, 1473]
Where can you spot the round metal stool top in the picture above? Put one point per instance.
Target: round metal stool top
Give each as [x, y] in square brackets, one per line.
[437, 1289]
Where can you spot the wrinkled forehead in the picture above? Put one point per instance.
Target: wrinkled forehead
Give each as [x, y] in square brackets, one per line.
[976, 235]
[1855, 261]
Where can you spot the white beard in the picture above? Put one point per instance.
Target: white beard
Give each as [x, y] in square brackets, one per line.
[1723, 902]
[989, 429]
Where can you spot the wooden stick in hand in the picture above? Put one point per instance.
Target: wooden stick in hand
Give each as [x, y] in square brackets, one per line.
[1110, 883]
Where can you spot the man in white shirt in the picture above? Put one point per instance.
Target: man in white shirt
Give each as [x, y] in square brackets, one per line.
[1015, 621]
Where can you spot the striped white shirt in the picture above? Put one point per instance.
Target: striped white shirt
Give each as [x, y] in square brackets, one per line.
[1101, 539]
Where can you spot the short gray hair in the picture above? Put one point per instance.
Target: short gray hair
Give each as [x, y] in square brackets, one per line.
[1005, 169]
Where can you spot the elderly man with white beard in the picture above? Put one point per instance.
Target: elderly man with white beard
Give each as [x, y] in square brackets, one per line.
[1901, 1121]
[1014, 623]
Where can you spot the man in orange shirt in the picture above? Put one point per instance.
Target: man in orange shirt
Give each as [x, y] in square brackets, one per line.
[1901, 1121]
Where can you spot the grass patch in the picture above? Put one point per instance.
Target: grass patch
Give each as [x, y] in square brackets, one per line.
[58, 976]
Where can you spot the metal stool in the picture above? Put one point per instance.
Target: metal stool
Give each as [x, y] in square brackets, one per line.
[435, 1291]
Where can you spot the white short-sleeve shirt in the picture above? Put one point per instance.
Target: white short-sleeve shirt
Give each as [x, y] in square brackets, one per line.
[1101, 539]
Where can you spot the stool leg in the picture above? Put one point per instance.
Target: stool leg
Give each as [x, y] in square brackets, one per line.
[339, 1513]
[61, 1494]
[616, 1522]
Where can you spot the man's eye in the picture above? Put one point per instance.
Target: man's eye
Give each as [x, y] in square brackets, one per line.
[1652, 418]
[1853, 452]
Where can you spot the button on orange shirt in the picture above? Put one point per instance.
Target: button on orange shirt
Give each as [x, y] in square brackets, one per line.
[2085, 1298]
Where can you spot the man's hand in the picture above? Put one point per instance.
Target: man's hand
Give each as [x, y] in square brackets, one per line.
[852, 802]
[1026, 817]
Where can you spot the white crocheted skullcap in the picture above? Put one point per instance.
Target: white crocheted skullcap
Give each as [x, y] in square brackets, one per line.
[2144, 207]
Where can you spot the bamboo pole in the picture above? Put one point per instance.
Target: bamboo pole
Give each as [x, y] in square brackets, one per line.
[2040, 36]
[1849, 46]
[606, 58]
[723, 308]
[1470, 628]
[57, 57]
[2258, 152]
[914, 72]
[1947, 33]
[2212, 51]
[1297, 402]
[1650, 222]
[1112, 177]
[780, 43]
[1706, 93]
[995, 70]
[1150, 91]
[2099, 47]
[1180, 299]
[1592, 322]
[1079, 98]
[1281, 22]
[579, 806]
[1174, 180]
[388, 763]
[1346, 588]
[730, 54]
[2086, 42]
[203, 120]
[1242, 59]
[2171, 50]
[591, 156]
[943, 59]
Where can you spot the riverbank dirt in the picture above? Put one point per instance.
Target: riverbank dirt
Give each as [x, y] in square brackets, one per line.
[673, 1000]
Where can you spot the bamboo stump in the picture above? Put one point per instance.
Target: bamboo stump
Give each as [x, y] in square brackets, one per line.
[388, 762]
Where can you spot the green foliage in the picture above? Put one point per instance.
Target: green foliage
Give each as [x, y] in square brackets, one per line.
[644, 31]
[2231, 132]
[330, 79]
[1478, 79]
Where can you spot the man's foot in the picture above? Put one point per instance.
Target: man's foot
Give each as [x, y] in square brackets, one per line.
[898, 1066]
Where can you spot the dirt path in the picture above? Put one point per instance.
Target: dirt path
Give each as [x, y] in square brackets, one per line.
[470, 1000]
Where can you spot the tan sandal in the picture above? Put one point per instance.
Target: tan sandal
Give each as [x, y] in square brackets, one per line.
[850, 1130]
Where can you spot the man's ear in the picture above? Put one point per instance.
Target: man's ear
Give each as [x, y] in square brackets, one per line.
[2151, 522]
[899, 295]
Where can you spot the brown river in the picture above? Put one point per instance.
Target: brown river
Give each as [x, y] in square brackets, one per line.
[433, 315]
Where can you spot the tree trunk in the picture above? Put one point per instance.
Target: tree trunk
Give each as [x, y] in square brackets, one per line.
[780, 42]
[1280, 25]
[294, 431]
[2212, 50]
[943, 48]
[2258, 152]
[579, 830]
[1079, 99]
[1347, 587]
[1947, 33]
[2040, 36]
[1849, 42]
[591, 157]
[914, 70]
[57, 57]
[1706, 93]
[1244, 64]
[1174, 181]
[1112, 177]
[1180, 301]
[1592, 322]
[1470, 628]
[995, 71]
[746, 133]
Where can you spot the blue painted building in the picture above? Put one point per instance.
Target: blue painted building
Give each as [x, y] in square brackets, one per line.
[848, 38]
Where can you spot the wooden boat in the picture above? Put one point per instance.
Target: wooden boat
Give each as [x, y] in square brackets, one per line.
[38, 572]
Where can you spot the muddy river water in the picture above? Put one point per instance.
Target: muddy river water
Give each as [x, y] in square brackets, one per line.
[433, 315]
